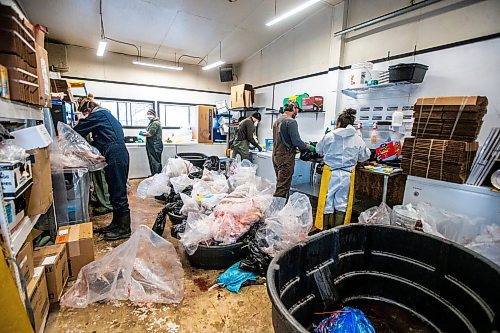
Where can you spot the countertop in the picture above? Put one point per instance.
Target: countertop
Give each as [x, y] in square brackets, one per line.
[137, 144]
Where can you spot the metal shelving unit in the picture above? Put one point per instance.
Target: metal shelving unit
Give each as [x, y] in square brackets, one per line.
[385, 88]
[10, 110]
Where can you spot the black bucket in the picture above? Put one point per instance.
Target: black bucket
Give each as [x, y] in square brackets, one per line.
[197, 159]
[218, 256]
[176, 219]
[402, 280]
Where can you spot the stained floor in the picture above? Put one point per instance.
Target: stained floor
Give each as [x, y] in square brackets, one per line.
[202, 310]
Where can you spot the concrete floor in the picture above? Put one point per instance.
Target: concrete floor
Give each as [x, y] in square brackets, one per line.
[217, 310]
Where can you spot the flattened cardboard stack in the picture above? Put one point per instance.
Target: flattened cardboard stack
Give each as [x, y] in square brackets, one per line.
[443, 145]
[449, 118]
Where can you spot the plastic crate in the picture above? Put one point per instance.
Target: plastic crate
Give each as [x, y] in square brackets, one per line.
[413, 73]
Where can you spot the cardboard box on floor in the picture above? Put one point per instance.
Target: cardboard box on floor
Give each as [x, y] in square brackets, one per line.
[24, 259]
[80, 245]
[242, 96]
[39, 298]
[55, 260]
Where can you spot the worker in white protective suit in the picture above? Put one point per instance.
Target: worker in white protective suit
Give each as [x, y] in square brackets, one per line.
[342, 150]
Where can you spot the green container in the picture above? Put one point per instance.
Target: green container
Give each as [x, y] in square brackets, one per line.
[297, 98]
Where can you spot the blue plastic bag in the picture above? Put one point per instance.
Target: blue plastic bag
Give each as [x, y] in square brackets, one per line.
[234, 277]
[347, 320]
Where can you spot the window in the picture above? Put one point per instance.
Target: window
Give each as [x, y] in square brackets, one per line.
[128, 113]
[173, 115]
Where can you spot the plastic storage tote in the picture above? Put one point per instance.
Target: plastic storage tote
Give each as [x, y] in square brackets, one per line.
[403, 280]
[71, 196]
[198, 159]
[413, 73]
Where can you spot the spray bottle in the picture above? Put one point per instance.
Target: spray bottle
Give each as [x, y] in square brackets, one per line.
[374, 136]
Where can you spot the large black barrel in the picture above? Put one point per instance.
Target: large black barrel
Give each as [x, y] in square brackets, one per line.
[403, 280]
[218, 257]
[197, 159]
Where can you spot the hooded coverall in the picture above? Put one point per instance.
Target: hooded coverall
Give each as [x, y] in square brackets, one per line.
[342, 150]
[154, 146]
[108, 137]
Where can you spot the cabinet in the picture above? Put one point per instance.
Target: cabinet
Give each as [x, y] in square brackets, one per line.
[202, 122]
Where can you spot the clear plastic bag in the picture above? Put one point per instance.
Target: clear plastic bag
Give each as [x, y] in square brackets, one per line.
[176, 167]
[154, 186]
[287, 227]
[199, 228]
[487, 243]
[74, 151]
[181, 182]
[243, 173]
[190, 205]
[9, 152]
[144, 269]
[376, 215]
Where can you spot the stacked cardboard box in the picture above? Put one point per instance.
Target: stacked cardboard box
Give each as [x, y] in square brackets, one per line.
[446, 160]
[18, 55]
[24, 58]
[443, 145]
[449, 118]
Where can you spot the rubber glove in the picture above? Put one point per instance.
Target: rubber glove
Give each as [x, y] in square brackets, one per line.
[141, 133]
[312, 149]
[259, 148]
[328, 130]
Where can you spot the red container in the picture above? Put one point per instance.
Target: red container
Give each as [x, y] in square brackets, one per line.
[312, 103]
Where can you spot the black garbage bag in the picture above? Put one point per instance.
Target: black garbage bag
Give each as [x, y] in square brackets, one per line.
[308, 156]
[175, 207]
[197, 174]
[178, 229]
[160, 221]
[250, 234]
[186, 191]
[256, 261]
[212, 163]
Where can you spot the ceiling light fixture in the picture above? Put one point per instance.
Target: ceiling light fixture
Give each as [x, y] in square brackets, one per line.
[215, 64]
[101, 48]
[149, 64]
[292, 12]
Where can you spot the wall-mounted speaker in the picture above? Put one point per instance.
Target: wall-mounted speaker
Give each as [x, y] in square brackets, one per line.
[226, 73]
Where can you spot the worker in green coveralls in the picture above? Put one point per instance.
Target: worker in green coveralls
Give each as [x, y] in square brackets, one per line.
[154, 142]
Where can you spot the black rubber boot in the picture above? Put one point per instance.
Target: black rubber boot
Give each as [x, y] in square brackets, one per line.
[327, 221]
[123, 228]
[110, 227]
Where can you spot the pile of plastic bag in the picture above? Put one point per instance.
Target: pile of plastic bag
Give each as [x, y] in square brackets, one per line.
[470, 232]
[71, 150]
[144, 269]
[232, 216]
[285, 225]
[159, 184]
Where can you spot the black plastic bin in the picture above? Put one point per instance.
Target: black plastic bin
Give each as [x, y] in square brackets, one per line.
[198, 159]
[403, 280]
[175, 219]
[218, 257]
[413, 73]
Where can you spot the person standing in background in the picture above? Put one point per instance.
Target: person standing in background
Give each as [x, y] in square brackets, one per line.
[286, 140]
[108, 138]
[342, 150]
[244, 137]
[154, 142]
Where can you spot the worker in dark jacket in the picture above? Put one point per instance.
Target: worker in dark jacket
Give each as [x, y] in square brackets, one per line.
[154, 142]
[244, 137]
[108, 137]
[286, 140]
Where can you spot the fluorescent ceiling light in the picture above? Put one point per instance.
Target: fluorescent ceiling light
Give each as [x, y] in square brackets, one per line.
[215, 64]
[149, 64]
[292, 12]
[101, 48]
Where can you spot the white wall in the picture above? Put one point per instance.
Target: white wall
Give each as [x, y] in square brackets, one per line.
[463, 70]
